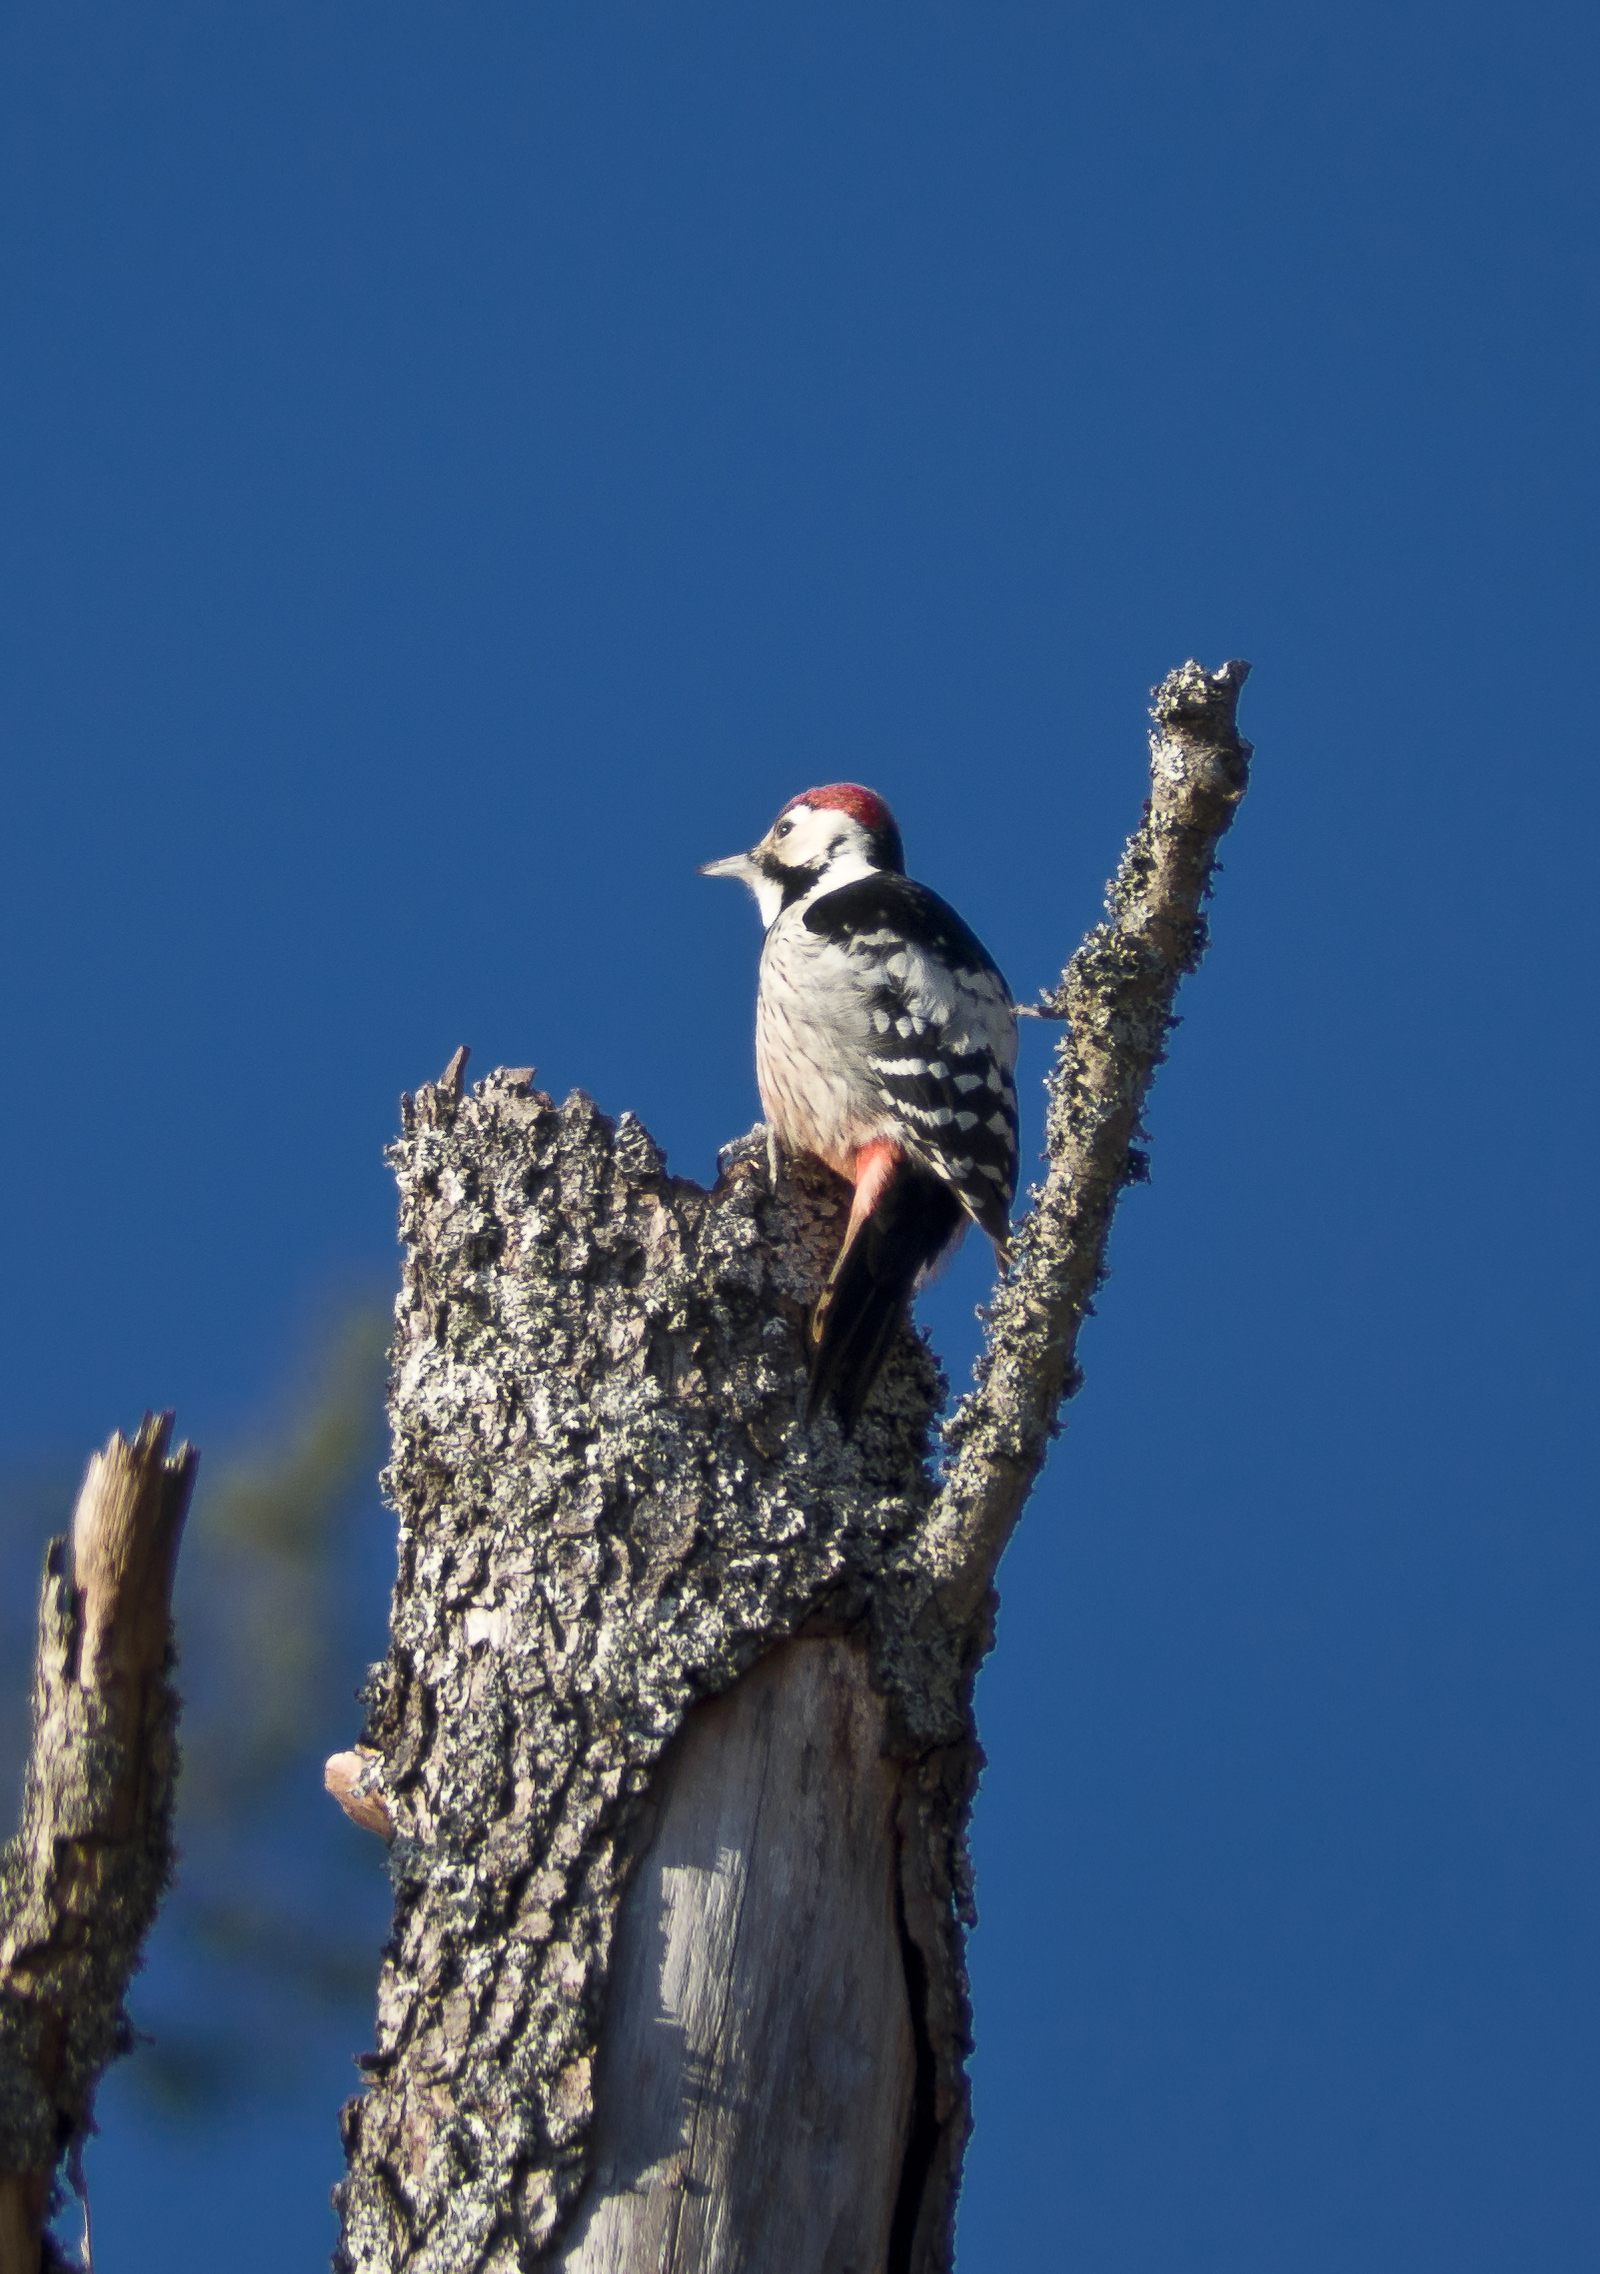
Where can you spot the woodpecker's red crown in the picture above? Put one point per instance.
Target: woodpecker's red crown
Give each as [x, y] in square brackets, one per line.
[862, 805]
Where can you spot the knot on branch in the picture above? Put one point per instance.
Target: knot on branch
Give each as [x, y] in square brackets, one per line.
[1197, 754]
[1193, 697]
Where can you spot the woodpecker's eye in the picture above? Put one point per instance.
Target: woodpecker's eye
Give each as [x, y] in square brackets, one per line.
[783, 829]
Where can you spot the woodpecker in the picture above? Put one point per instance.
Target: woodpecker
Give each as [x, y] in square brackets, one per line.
[886, 1040]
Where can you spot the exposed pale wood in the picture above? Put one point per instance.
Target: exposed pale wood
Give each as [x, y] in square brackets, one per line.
[80, 1882]
[754, 2092]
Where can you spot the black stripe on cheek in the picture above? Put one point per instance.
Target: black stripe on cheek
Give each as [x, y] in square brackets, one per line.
[796, 882]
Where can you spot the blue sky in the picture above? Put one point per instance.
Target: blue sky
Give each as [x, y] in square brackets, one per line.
[465, 467]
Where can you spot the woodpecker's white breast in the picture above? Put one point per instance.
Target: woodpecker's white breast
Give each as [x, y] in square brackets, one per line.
[813, 1039]
[881, 1016]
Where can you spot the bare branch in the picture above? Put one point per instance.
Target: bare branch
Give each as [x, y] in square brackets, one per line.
[81, 1882]
[1116, 996]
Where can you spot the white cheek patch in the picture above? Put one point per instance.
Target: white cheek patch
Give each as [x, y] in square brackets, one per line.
[769, 899]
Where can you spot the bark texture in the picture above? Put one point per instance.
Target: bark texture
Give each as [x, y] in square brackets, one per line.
[80, 1883]
[610, 1512]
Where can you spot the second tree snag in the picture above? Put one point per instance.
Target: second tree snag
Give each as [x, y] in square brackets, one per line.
[675, 1982]
[81, 1881]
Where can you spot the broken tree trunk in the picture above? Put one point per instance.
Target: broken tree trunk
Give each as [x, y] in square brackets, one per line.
[674, 1738]
[80, 1882]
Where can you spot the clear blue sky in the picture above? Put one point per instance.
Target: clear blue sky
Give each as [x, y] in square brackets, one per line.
[465, 466]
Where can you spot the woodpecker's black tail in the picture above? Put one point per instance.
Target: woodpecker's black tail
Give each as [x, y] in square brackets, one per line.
[870, 1285]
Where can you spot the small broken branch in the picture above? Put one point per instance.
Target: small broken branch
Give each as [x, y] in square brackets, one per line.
[355, 1780]
[81, 1881]
[1116, 996]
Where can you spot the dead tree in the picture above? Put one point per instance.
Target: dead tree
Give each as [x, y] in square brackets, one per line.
[673, 1746]
[674, 1741]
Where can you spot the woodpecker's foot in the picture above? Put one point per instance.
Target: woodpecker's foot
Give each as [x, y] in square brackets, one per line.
[773, 1159]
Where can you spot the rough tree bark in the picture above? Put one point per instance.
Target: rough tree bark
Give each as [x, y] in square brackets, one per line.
[674, 1738]
[80, 1882]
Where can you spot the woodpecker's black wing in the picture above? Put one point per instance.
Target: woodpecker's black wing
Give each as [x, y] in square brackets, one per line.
[888, 910]
[939, 1034]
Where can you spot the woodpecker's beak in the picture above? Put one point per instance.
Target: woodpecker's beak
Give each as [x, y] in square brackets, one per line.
[737, 865]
